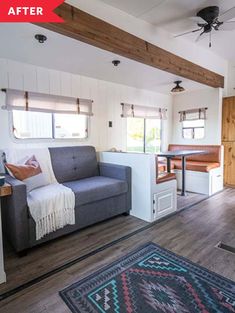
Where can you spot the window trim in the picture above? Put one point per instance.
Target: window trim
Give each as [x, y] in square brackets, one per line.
[144, 138]
[193, 131]
[41, 140]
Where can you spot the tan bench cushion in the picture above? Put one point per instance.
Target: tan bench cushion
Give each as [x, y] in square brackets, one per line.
[196, 166]
[212, 155]
[164, 177]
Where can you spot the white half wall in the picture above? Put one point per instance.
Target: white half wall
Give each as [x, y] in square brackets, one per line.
[210, 98]
[106, 107]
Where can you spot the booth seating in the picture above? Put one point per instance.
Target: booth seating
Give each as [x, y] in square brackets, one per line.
[198, 163]
[161, 175]
[204, 171]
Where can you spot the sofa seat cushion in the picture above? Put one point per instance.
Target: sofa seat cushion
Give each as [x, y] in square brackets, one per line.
[196, 166]
[96, 188]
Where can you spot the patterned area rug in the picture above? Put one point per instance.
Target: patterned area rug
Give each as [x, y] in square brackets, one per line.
[151, 279]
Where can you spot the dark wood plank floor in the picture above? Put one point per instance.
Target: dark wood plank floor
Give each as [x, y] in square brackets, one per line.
[192, 233]
[191, 198]
[51, 255]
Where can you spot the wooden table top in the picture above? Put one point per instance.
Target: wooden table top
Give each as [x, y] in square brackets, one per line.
[5, 190]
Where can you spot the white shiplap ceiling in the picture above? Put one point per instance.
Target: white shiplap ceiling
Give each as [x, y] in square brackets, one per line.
[173, 16]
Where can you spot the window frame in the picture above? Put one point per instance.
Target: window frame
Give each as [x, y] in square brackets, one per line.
[53, 139]
[193, 131]
[144, 137]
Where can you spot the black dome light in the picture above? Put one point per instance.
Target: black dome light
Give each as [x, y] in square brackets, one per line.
[177, 88]
[40, 38]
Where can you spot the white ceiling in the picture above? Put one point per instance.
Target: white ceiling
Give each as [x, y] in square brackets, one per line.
[172, 15]
[65, 54]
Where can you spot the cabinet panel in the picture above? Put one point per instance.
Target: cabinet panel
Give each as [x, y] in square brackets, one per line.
[164, 203]
[228, 121]
[229, 163]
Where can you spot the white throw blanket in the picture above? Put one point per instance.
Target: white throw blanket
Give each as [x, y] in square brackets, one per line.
[52, 206]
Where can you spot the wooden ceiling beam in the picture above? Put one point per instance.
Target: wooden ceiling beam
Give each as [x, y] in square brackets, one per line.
[96, 32]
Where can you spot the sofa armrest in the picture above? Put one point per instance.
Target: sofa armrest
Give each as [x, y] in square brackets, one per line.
[15, 215]
[118, 172]
[115, 171]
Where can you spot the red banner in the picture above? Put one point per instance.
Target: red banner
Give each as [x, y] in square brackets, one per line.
[33, 11]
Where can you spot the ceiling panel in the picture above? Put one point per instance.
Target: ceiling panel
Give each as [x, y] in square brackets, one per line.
[134, 7]
[173, 16]
[81, 59]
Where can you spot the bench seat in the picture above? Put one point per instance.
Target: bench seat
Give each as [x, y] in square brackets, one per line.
[196, 166]
[164, 177]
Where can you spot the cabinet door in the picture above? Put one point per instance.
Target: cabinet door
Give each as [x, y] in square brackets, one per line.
[228, 121]
[229, 163]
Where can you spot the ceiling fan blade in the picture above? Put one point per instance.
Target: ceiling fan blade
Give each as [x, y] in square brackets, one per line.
[186, 33]
[227, 26]
[197, 19]
[228, 15]
[199, 36]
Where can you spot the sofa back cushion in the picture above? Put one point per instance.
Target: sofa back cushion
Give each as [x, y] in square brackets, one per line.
[213, 152]
[73, 163]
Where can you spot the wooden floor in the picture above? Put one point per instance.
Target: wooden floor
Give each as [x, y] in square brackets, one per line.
[192, 233]
[190, 199]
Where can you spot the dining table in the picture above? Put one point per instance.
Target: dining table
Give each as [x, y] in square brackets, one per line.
[183, 154]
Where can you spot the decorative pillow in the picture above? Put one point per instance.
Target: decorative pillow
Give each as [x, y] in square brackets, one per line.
[29, 172]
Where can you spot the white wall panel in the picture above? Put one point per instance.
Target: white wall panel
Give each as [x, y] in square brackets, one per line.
[66, 84]
[3, 74]
[29, 78]
[15, 75]
[43, 80]
[107, 97]
[54, 77]
[76, 85]
[210, 98]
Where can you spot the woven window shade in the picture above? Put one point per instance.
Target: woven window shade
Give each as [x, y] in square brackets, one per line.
[130, 110]
[193, 115]
[37, 102]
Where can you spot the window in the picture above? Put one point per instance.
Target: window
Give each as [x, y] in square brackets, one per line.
[37, 125]
[143, 135]
[193, 129]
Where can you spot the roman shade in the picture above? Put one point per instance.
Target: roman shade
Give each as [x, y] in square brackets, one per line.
[38, 102]
[193, 115]
[131, 110]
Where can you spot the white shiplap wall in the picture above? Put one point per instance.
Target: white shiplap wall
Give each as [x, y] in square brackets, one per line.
[107, 98]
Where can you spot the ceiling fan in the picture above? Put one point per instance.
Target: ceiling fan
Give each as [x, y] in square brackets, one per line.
[209, 19]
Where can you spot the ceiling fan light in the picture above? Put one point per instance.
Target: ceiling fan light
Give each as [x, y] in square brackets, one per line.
[177, 88]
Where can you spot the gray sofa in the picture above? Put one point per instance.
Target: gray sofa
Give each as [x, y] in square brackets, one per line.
[101, 191]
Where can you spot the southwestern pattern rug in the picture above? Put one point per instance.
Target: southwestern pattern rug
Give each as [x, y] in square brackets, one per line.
[151, 279]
